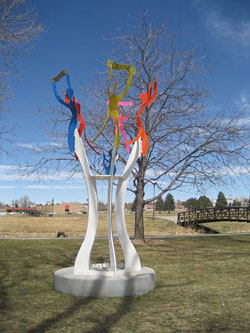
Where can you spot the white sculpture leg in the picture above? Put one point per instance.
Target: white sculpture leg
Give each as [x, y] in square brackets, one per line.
[112, 254]
[82, 262]
[132, 260]
[87, 280]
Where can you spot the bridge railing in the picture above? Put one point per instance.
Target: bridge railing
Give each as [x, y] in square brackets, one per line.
[241, 214]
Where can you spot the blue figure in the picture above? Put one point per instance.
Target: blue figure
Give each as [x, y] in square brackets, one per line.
[107, 163]
[69, 97]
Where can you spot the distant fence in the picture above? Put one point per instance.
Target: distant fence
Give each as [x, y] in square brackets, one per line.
[234, 214]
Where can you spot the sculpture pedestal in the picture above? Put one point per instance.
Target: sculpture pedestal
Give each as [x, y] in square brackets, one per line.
[100, 281]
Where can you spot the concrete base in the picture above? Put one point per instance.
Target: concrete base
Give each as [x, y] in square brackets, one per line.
[95, 284]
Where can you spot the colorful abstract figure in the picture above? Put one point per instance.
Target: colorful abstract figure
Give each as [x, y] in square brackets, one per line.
[121, 120]
[146, 99]
[80, 279]
[115, 99]
[107, 163]
[71, 103]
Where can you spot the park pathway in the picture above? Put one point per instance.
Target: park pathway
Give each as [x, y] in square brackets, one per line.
[172, 218]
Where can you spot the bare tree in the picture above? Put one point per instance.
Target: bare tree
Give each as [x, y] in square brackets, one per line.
[188, 145]
[25, 201]
[15, 203]
[2, 205]
[18, 28]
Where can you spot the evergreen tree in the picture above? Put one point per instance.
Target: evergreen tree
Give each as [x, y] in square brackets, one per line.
[204, 202]
[192, 203]
[236, 203]
[169, 203]
[159, 205]
[221, 201]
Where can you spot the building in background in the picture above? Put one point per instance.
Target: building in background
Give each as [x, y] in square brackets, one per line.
[64, 208]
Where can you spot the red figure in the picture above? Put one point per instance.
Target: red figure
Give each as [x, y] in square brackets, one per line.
[82, 124]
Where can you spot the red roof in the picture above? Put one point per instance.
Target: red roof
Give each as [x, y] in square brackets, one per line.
[19, 208]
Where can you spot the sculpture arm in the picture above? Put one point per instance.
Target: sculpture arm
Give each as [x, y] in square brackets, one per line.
[102, 128]
[131, 73]
[106, 120]
[140, 126]
[135, 139]
[154, 93]
[68, 81]
[121, 121]
[58, 96]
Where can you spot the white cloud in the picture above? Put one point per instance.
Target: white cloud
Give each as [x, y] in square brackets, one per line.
[39, 147]
[31, 146]
[7, 176]
[9, 167]
[232, 171]
[62, 187]
[55, 187]
[64, 175]
[243, 102]
[153, 173]
[243, 121]
[236, 32]
[13, 173]
[6, 187]
[54, 144]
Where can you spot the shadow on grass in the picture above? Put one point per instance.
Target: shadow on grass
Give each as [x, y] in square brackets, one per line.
[241, 240]
[4, 300]
[102, 323]
[48, 323]
[4, 297]
[105, 324]
[203, 229]
[67, 262]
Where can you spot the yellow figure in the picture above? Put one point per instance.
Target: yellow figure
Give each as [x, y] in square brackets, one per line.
[114, 99]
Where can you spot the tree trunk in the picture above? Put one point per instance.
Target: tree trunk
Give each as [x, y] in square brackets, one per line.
[139, 222]
[142, 163]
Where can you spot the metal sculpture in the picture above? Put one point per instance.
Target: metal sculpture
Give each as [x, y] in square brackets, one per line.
[71, 280]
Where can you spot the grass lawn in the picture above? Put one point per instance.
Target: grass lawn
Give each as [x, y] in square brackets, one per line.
[229, 227]
[203, 285]
[21, 226]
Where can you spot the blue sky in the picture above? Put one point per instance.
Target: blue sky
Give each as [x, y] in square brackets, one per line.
[73, 39]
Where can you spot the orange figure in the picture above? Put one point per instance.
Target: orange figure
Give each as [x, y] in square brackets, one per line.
[146, 99]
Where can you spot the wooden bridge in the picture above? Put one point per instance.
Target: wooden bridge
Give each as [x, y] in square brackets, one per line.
[194, 217]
